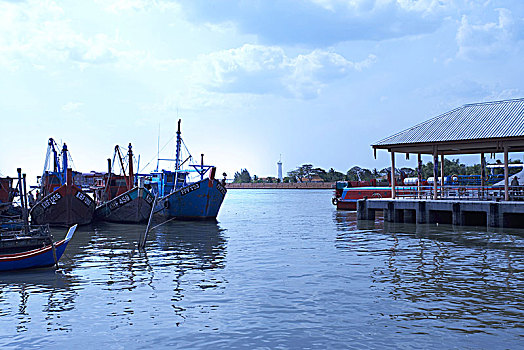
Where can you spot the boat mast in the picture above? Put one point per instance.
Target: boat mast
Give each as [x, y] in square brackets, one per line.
[117, 151]
[64, 161]
[55, 155]
[131, 175]
[178, 146]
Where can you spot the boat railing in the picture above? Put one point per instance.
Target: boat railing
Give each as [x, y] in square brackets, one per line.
[483, 193]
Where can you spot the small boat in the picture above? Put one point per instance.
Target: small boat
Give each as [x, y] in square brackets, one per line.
[45, 256]
[183, 198]
[60, 201]
[122, 201]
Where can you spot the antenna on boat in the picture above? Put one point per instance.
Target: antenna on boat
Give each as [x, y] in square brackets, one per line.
[178, 145]
[131, 182]
[158, 148]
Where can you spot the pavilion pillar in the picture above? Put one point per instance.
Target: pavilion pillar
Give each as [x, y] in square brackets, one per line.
[419, 175]
[482, 173]
[442, 175]
[506, 174]
[392, 174]
[435, 172]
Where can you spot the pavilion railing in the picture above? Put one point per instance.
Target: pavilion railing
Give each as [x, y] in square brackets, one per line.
[487, 193]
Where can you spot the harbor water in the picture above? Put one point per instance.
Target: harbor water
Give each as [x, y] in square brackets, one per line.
[280, 269]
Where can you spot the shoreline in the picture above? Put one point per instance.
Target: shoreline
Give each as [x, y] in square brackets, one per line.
[283, 185]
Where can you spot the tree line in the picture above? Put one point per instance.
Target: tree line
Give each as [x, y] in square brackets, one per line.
[309, 173]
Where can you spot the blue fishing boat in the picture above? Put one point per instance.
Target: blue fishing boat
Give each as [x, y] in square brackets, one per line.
[45, 256]
[182, 196]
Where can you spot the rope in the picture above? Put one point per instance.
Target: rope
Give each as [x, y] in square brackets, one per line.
[155, 157]
[165, 222]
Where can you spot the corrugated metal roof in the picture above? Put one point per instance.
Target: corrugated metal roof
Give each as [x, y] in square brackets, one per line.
[475, 121]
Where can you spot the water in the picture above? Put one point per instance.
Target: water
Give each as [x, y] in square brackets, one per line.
[281, 269]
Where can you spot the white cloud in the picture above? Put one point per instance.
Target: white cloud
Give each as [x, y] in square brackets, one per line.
[324, 22]
[363, 6]
[117, 6]
[269, 70]
[71, 107]
[38, 33]
[486, 39]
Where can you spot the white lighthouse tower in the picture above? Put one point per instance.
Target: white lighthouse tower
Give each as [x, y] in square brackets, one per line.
[279, 167]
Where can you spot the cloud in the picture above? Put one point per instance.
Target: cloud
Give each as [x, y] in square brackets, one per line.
[71, 107]
[261, 69]
[323, 22]
[485, 40]
[38, 33]
[118, 6]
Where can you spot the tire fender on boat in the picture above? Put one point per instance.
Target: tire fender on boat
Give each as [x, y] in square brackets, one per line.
[166, 204]
[334, 200]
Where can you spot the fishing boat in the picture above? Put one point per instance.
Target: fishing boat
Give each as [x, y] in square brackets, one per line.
[7, 193]
[180, 195]
[33, 250]
[120, 200]
[60, 202]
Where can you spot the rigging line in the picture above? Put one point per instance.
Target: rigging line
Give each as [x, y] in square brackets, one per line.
[168, 142]
[165, 222]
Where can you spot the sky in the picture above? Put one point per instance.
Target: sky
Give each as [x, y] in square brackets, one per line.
[307, 81]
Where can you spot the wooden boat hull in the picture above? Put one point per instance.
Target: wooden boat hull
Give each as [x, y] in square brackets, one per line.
[41, 257]
[66, 206]
[198, 201]
[133, 206]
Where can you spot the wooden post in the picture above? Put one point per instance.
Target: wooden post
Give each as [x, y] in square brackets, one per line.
[143, 237]
[442, 175]
[506, 174]
[392, 174]
[435, 173]
[26, 206]
[419, 174]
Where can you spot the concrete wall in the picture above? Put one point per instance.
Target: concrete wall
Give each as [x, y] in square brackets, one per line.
[477, 213]
[282, 185]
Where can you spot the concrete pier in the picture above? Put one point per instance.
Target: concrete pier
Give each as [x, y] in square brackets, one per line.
[455, 212]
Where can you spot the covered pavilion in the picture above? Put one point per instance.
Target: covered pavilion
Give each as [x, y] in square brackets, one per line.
[478, 128]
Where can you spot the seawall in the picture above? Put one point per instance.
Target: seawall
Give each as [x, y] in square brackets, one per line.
[282, 185]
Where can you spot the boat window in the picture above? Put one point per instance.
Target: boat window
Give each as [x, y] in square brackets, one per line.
[54, 180]
[121, 182]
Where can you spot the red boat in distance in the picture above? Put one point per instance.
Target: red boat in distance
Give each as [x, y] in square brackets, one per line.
[347, 193]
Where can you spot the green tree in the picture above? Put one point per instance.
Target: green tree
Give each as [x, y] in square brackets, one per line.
[302, 172]
[332, 175]
[359, 174]
[242, 177]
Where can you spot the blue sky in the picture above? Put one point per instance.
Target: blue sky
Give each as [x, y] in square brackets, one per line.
[317, 81]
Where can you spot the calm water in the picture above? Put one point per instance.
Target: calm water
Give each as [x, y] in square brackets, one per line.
[281, 269]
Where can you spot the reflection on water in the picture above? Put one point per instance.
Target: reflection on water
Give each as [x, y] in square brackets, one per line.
[462, 278]
[49, 288]
[281, 269]
[103, 257]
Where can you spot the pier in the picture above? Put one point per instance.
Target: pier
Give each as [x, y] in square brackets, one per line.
[455, 212]
[480, 128]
